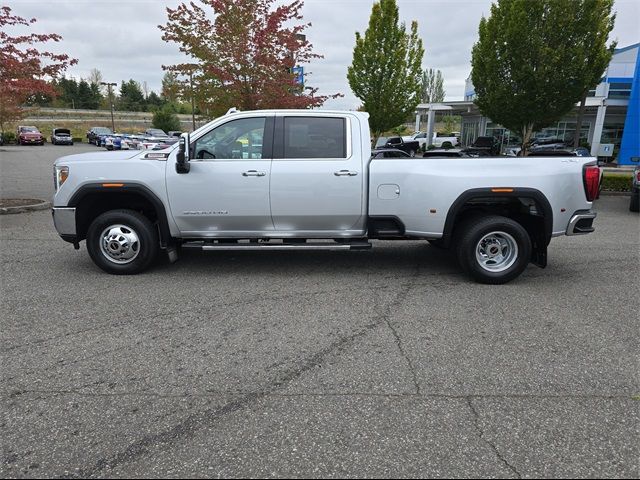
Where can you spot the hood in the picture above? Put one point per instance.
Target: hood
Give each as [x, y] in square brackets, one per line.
[98, 157]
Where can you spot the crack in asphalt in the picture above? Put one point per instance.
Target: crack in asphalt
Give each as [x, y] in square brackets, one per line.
[200, 420]
[404, 293]
[476, 423]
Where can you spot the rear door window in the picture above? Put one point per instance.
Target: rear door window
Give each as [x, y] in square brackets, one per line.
[314, 137]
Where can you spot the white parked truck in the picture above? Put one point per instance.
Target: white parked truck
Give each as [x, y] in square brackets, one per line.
[304, 179]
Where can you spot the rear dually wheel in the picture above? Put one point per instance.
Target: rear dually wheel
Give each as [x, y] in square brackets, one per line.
[493, 249]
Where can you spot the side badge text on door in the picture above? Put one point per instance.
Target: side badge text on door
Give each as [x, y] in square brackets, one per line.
[206, 212]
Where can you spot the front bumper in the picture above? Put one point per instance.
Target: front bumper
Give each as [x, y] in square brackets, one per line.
[581, 222]
[64, 219]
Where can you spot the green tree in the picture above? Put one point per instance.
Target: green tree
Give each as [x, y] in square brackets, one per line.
[85, 96]
[154, 101]
[171, 87]
[534, 59]
[131, 97]
[386, 69]
[595, 23]
[166, 119]
[68, 92]
[432, 86]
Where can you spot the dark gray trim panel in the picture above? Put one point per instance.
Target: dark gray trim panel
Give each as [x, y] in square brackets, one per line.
[536, 195]
[128, 187]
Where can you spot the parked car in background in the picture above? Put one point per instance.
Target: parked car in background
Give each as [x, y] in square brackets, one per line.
[634, 204]
[61, 136]
[411, 147]
[436, 140]
[174, 133]
[446, 153]
[560, 152]
[484, 145]
[95, 133]
[28, 135]
[155, 132]
[388, 153]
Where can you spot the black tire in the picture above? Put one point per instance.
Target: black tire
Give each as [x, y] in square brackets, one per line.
[634, 203]
[493, 249]
[123, 222]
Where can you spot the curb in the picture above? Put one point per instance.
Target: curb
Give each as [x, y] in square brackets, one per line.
[614, 194]
[43, 205]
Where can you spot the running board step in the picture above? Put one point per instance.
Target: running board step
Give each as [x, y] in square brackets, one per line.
[278, 246]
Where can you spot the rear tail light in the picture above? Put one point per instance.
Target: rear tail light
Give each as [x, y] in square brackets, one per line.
[591, 179]
[638, 176]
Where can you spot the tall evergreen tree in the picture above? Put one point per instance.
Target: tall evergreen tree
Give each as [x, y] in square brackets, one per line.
[535, 59]
[84, 99]
[387, 68]
[131, 97]
[432, 85]
[68, 91]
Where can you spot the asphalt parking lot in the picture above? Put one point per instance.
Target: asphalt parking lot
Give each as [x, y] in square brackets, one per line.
[385, 363]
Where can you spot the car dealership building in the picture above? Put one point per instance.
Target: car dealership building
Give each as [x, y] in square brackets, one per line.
[611, 122]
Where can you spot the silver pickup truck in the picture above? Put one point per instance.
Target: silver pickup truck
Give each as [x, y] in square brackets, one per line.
[304, 179]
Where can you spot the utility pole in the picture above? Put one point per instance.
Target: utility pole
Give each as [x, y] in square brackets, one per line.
[109, 85]
[193, 108]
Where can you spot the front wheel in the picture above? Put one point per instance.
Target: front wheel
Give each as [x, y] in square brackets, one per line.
[122, 242]
[493, 249]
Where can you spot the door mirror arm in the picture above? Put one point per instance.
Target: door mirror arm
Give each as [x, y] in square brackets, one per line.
[182, 158]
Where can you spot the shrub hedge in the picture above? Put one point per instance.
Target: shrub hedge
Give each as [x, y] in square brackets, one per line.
[616, 182]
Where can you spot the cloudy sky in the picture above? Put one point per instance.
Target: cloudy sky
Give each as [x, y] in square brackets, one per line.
[121, 39]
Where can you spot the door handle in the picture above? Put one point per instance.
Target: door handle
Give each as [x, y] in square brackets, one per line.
[345, 173]
[253, 173]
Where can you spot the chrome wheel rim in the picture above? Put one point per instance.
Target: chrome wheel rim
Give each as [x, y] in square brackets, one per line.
[119, 244]
[496, 251]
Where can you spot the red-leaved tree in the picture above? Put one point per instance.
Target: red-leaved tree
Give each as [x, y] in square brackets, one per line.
[242, 58]
[25, 71]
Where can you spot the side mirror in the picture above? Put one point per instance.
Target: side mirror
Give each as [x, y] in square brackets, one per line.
[182, 158]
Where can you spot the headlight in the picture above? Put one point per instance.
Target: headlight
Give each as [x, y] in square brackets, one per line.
[60, 176]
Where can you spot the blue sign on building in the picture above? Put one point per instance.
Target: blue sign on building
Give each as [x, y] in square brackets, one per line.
[630, 146]
[299, 73]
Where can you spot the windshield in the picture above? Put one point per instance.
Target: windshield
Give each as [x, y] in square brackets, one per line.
[102, 130]
[156, 132]
[29, 129]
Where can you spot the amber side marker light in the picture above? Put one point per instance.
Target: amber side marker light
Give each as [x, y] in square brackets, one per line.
[113, 185]
[502, 190]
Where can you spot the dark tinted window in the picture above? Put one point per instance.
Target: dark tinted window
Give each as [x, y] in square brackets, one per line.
[396, 155]
[314, 137]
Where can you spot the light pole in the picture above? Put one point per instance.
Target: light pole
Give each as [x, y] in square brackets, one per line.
[193, 108]
[192, 67]
[109, 85]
